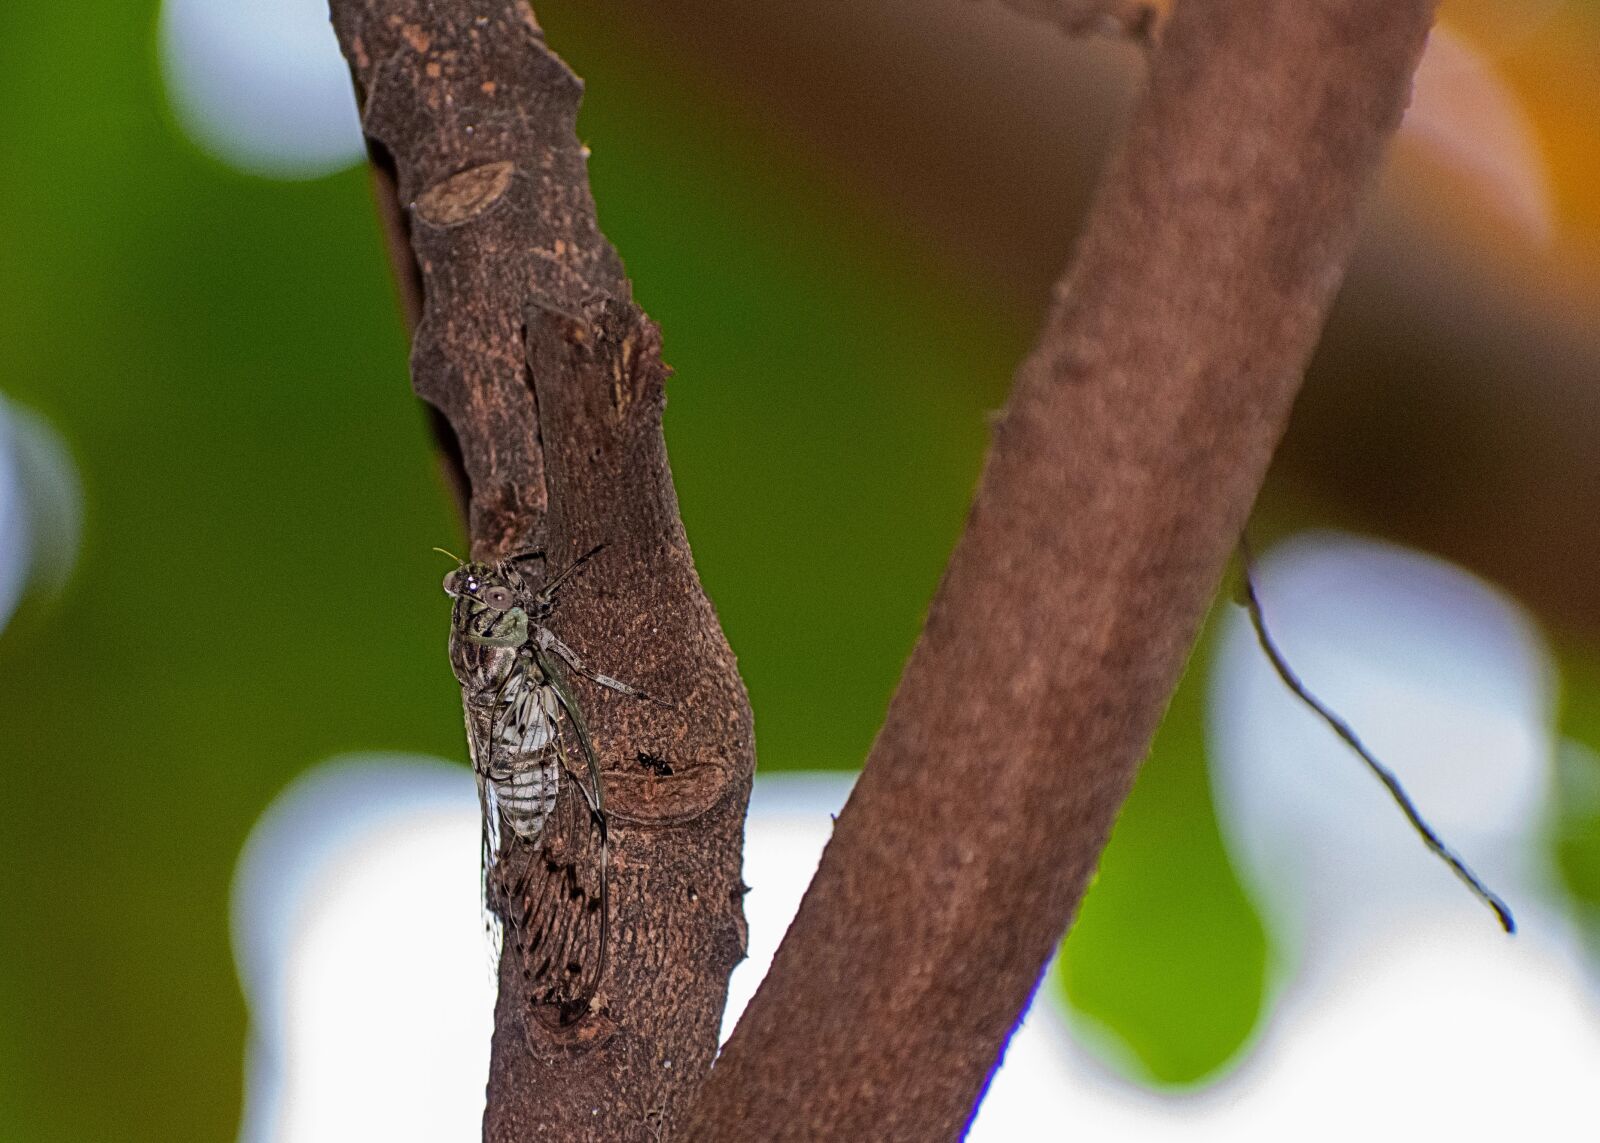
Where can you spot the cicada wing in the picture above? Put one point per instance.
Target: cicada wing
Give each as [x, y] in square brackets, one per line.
[593, 789]
[580, 731]
[489, 854]
[554, 893]
[480, 733]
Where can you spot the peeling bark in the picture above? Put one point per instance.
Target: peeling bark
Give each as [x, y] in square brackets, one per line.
[550, 378]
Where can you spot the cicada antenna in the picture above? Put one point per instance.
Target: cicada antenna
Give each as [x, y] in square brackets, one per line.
[548, 591]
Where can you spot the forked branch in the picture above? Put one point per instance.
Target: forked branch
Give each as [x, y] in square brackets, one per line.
[1136, 437]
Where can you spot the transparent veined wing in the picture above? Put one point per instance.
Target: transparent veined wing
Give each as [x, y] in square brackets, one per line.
[552, 890]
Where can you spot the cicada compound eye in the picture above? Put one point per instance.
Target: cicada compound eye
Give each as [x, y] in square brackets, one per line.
[498, 598]
[452, 583]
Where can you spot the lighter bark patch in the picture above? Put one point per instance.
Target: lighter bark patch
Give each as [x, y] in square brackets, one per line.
[644, 799]
[462, 197]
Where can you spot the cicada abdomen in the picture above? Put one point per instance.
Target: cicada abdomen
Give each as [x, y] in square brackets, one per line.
[523, 768]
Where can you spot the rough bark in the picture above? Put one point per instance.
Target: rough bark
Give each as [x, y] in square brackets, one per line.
[551, 382]
[1122, 471]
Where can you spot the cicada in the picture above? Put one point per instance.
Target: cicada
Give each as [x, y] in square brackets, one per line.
[538, 781]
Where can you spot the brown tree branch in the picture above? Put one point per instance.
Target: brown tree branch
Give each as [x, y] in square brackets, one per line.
[1120, 19]
[1135, 440]
[552, 383]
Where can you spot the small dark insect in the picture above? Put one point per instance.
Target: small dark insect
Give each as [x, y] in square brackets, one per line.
[656, 765]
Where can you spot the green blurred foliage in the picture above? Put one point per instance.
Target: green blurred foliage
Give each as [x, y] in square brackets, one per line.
[256, 590]
[1167, 963]
[1575, 822]
[827, 417]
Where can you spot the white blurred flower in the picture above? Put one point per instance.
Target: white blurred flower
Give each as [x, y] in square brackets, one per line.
[40, 507]
[790, 821]
[14, 540]
[359, 887]
[363, 958]
[1444, 679]
[1395, 978]
[362, 955]
[261, 85]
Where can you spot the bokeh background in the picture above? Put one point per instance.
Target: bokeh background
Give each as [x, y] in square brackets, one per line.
[218, 499]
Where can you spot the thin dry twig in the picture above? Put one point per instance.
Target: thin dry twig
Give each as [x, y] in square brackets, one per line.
[1391, 782]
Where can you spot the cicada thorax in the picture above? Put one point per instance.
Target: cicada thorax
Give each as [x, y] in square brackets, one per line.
[481, 668]
[488, 627]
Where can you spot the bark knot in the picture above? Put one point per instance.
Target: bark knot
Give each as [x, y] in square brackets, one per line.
[465, 195]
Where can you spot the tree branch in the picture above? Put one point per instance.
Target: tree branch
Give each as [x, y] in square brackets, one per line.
[1135, 440]
[1135, 20]
[551, 379]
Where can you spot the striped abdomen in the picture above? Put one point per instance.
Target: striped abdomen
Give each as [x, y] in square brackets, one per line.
[526, 773]
[527, 795]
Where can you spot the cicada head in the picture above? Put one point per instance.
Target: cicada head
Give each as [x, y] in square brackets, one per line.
[488, 605]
